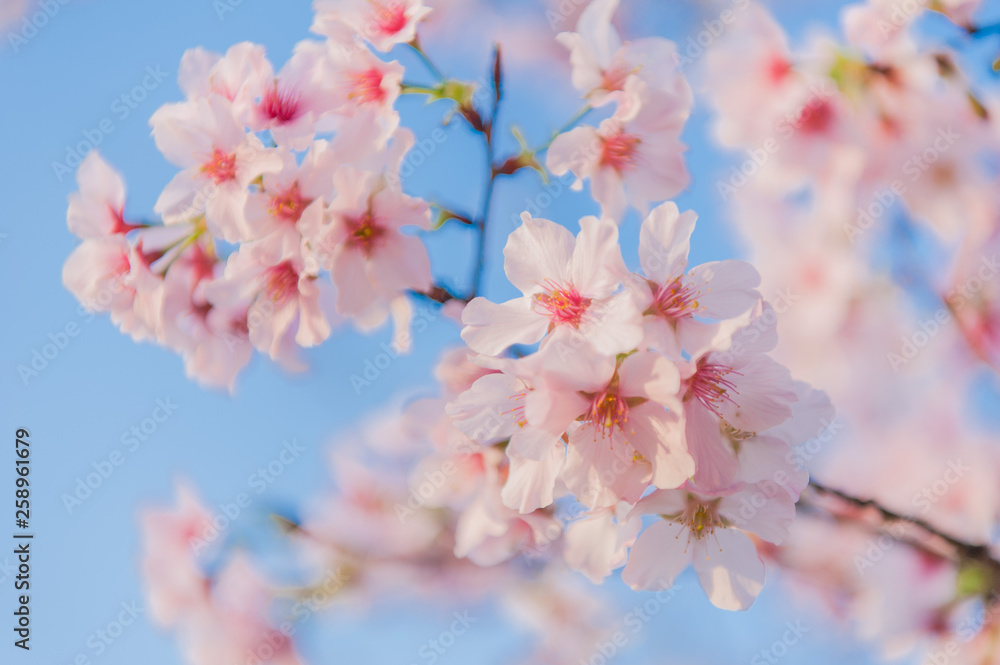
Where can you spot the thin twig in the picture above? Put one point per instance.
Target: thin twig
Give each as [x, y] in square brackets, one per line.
[964, 551]
[491, 174]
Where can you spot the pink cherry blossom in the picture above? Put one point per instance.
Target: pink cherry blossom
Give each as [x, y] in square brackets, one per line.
[107, 274]
[286, 305]
[671, 296]
[220, 160]
[614, 414]
[98, 209]
[710, 533]
[570, 288]
[598, 543]
[371, 261]
[488, 532]
[602, 63]
[237, 622]
[289, 200]
[235, 76]
[731, 390]
[382, 23]
[764, 78]
[635, 157]
[359, 82]
[175, 583]
[293, 102]
[213, 339]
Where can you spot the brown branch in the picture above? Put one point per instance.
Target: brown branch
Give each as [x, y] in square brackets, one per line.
[963, 551]
[440, 294]
[487, 131]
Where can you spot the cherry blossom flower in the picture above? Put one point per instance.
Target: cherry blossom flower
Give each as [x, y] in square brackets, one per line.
[710, 533]
[98, 208]
[613, 413]
[235, 76]
[569, 288]
[220, 160]
[764, 78]
[602, 63]
[371, 262]
[382, 23]
[109, 275]
[635, 157]
[361, 83]
[213, 339]
[175, 583]
[289, 200]
[236, 622]
[95, 274]
[670, 296]
[598, 543]
[293, 102]
[488, 532]
[732, 390]
[286, 305]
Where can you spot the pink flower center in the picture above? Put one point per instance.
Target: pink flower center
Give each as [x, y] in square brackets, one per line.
[701, 519]
[281, 281]
[365, 233]
[618, 151]
[202, 263]
[201, 311]
[281, 106]
[981, 328]
[239, 326]
[711, 387]
[192, 529]
[608, 411]
[813, 276]
[122, 266]
[390, 18]
[816, 117]
[367, 86]
[564, 306]
[517, 409]
[613, 78]
[674, 300]
[120, 225]
[148, 258]
[221, 167]
[289, 204]
[778, 69]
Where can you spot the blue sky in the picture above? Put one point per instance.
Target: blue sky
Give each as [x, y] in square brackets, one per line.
[65, 84]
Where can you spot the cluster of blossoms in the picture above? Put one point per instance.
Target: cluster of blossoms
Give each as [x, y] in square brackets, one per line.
[635, 157]
[868, 196]
[264, 206]
[351, 550]
[654, 380]
[605, 418]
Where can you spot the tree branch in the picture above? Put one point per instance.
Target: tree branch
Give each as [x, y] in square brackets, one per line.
[963, 551]
[491, 174]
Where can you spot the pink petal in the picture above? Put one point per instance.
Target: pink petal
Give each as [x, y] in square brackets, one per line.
[659, 555]
[729, 568]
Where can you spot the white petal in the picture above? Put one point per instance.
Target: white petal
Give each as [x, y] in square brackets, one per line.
[531, 483]
[729, 568]
[490, 327]
[659, 555]
[538, 253]
[664, 242]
